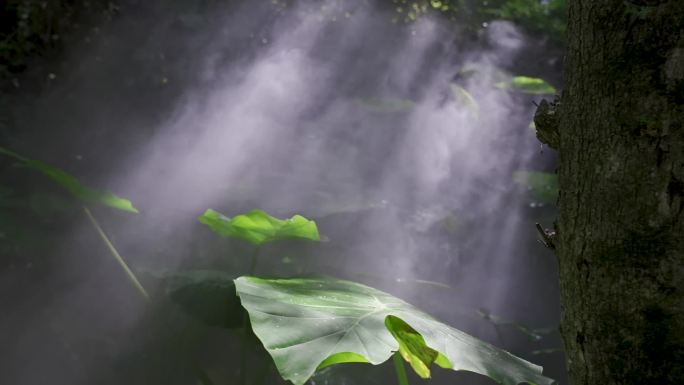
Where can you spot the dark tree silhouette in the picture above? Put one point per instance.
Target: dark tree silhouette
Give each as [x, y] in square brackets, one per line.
[618, 129]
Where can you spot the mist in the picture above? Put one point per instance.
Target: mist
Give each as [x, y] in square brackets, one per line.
[394, 137]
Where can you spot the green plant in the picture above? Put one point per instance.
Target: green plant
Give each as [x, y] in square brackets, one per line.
[87, 195]
[71, 184]
[258, 228]
[307, 324]
[310, 323]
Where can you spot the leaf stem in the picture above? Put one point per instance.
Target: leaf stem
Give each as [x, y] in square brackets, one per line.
[134, 280]
[399, 369]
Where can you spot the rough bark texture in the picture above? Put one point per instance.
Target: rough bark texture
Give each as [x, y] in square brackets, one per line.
[620, 232]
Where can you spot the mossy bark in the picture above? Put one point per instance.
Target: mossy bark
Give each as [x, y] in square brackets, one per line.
[620, 231]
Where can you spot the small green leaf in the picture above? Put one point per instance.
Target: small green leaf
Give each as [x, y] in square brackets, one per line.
[532, 334]
[543, 185]
[71, 184]
[527, 85]
[257, 227]
[306, 323]
[412, 346]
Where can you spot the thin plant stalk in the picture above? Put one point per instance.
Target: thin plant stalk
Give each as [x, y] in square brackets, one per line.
[203, 377]
[245, 323]
[399, 369]
[134, 280]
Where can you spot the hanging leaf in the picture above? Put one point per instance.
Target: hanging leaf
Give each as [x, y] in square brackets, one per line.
[208, 296]
[71, 184]
[306, 322]
[543, 185]
[257, 227]
[463, 97]
[527, 85]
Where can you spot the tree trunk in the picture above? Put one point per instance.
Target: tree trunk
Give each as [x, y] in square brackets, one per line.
[618, 129]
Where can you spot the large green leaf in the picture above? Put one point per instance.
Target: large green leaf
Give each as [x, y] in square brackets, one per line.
[71, 184]
[527, 85]
[306, 322]
[257, 227]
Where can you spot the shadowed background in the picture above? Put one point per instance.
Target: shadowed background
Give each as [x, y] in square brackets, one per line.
[397, 138]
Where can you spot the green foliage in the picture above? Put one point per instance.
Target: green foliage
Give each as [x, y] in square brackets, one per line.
[257, 227]
[71, 184]
[527, 85]
[35, 26]
[543, 185]
[535, 15]
[307, 324]
[302, 322]
[413, 348]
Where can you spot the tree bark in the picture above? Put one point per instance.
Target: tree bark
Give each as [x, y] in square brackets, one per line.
[618, 129]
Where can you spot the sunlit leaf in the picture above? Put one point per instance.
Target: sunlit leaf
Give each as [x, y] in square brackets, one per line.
[257, 227]
[412, 347]
[302, 322]
[543, 185]
[527, 85]
[71, 184]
